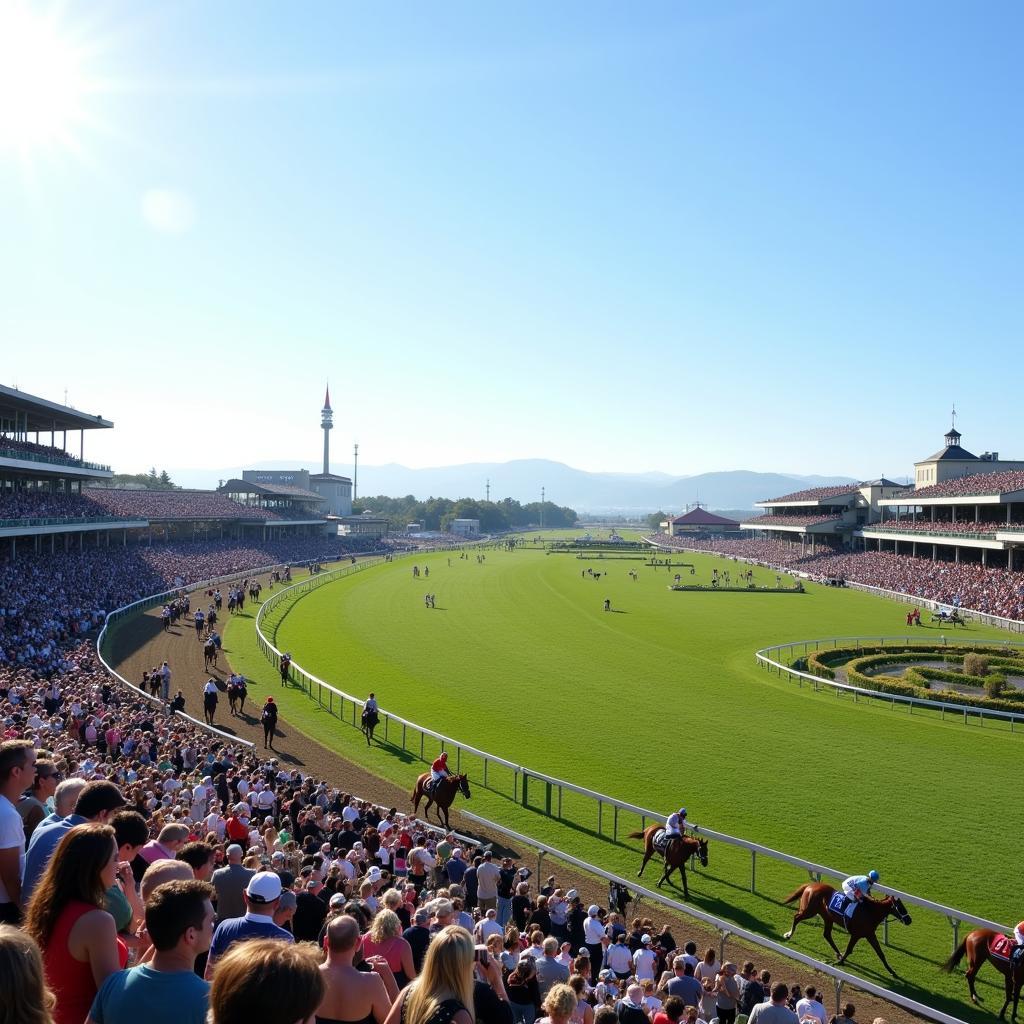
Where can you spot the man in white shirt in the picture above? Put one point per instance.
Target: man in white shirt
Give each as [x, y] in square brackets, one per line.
[488, 926]
[17, 770]
[644, 960]
[809, 1007]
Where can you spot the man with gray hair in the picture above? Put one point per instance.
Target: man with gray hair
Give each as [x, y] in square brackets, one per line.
[65, 796]
[230, 882]
[549, 971]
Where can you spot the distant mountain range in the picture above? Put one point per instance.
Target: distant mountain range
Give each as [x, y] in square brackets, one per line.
[523, 479]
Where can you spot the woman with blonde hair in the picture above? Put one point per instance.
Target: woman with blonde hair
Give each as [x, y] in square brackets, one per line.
[559, 1005]
[583, 1012]
[443, 993]
[385, 939]
[77, 937]
[21, 971]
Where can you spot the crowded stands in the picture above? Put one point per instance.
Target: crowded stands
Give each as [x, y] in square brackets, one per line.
[169, 873]
[169, 505]
[769, 521]
[976, 485]
[925, 525]
[970, 585]
[41, 504]
[815, 494]
[47, 453]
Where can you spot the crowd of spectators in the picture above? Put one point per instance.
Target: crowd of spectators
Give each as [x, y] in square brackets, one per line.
[969, 585]
[923, 524]
[978, 484]
[816, 493]
[151, 871]
[48, 505]
[45, 451]
[779, 519]
[47, 600]
[171, 505]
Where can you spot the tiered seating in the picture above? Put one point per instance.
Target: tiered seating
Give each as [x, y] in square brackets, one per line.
[815, 493]
[977, 485]
[47, 505]
[925, 525]
[768, 521]
[43, 451]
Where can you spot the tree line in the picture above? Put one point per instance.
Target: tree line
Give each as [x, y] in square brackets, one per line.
[494, 516]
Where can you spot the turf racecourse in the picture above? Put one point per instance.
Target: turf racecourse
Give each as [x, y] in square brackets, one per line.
[661, 702]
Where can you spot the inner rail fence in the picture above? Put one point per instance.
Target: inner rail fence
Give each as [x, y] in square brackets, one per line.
[556, 798]
[725, 929]
[772, 659]
[153, 600]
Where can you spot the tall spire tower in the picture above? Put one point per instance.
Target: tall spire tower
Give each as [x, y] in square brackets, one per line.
[327, 424]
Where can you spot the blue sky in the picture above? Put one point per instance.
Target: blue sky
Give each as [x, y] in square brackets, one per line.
[679, 236]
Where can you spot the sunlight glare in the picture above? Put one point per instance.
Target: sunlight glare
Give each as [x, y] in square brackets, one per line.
[41, 85]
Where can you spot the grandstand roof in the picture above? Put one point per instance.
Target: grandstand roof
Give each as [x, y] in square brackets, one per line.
[330, 476]
[702, 517]
[883, 482]
[44, 415]
[237, 486]
[951, 453]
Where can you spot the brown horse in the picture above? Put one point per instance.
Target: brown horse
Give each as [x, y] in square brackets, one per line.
[677, 853]
[976, 946]
[814, 900]
[443, 795]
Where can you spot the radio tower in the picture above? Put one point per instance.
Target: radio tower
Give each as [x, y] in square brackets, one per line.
[355, 470]
[327, 424]
[488, 489]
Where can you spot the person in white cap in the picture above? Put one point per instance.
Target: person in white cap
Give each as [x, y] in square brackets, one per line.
[262, 896]
[594, 938]
[644, 960]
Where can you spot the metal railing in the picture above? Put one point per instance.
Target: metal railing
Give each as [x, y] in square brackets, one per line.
[51, 460]
[961, 711]
[725, 929]
[519, 782]
[67, 521]
[144, 604]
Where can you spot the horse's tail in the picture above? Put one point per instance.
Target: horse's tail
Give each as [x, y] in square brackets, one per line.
[635, 835]
[414, 796]
[958, 955]
[796, 893]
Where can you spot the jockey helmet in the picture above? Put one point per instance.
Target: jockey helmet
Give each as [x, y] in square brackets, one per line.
[270, 700]
[1020, 927]
[444, 755]
[682, 812]
[873, 875]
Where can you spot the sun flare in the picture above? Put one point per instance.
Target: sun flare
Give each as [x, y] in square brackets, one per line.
[42, 84]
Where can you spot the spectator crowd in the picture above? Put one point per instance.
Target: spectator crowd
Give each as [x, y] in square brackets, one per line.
[969, 585]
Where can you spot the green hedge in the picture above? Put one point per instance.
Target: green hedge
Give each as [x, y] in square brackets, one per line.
[916, 682]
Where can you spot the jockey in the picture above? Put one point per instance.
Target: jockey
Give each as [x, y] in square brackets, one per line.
[858, 888]
[1018, 934]
[439, 769]
[675, 823]
[371, 704]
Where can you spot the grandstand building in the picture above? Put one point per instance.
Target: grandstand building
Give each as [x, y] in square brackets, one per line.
[825, 516]
[697, 521]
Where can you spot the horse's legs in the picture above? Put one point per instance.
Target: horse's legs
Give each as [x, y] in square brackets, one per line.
[802, 914]
[828, 935]
[873, 942]
[971, 973]
[682, 871]
[647, 856]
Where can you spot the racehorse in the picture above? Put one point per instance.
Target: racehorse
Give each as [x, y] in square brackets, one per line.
[209, 707]
[977, 946]
[209, 655]
[814, 901]
[676, 854]
[443, 795]
[370, 720]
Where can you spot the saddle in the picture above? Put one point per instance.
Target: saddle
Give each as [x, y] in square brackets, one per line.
[662, 840]
[1001, 946]
[837, 906]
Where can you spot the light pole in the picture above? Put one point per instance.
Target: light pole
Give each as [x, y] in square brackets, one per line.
[542, 508]
[355, 471]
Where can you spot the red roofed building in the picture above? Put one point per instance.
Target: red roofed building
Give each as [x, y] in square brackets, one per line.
[699, 520]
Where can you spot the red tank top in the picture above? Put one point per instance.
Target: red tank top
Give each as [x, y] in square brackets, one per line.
[70, 979]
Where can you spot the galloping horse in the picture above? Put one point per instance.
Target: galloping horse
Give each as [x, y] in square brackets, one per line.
[977, 947]
[677, 853]
[369, 723]
[814, 900]
[443, 795]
